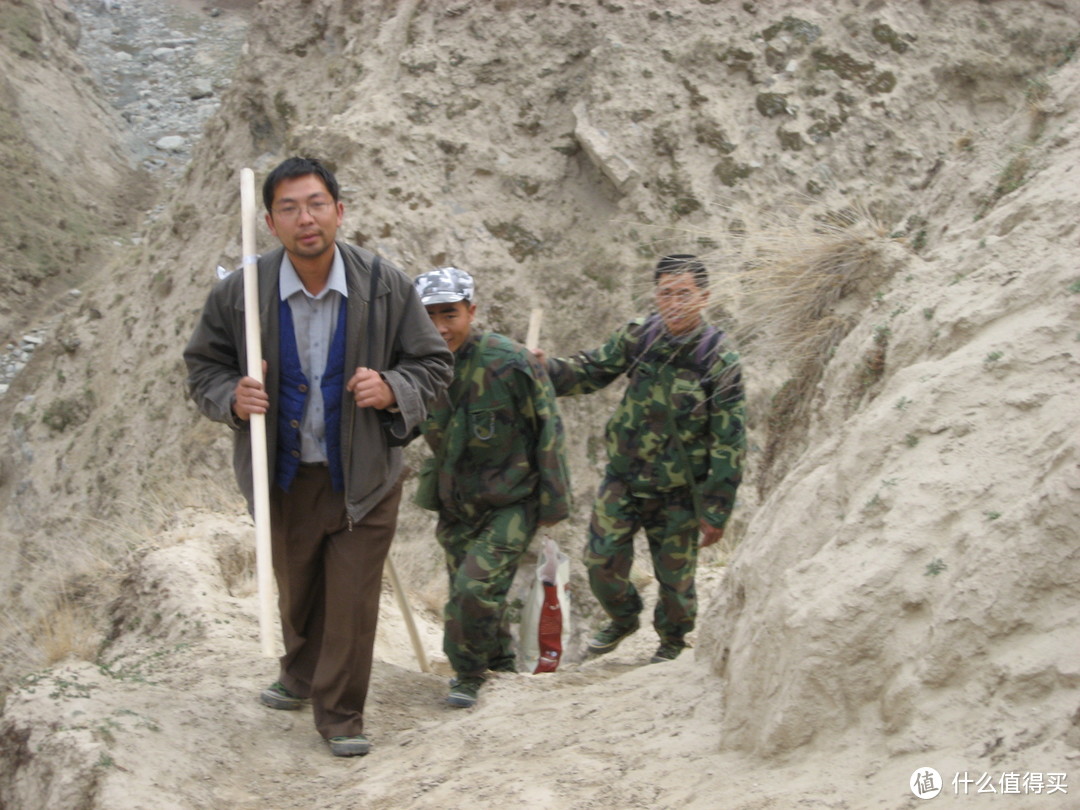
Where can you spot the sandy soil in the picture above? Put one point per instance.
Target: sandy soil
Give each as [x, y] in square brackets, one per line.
[904, 589]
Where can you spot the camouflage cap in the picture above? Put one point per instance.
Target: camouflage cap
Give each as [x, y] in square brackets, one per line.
[444, 286]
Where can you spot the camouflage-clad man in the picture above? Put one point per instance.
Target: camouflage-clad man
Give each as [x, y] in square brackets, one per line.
[675, 447]
[497, 442]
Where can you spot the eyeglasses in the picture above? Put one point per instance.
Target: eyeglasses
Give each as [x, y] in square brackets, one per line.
[292, 210]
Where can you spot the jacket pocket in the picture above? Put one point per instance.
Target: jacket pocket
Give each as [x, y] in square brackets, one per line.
[483, 425]
[688, 398]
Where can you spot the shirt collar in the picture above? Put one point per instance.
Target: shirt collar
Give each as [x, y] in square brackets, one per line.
[467, 345]
[289, 281]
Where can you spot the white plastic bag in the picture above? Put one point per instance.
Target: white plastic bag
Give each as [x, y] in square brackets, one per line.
[545, 616]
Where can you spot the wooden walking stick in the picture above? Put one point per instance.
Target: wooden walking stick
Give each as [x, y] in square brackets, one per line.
[264, 569]
[406, 612]
[532, 337]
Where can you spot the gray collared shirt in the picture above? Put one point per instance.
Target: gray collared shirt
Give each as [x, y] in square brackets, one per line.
[314, 321]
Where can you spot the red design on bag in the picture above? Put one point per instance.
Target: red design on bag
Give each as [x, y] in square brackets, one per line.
[549, 631]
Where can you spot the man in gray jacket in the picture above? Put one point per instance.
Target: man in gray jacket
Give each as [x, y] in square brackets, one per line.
[334, 481]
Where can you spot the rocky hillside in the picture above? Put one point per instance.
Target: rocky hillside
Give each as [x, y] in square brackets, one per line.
[62, 168]
[885, 194]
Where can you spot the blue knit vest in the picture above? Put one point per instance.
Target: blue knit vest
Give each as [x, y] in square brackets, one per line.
[292, 395]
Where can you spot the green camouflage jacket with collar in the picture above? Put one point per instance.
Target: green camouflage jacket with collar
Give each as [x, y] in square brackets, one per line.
[672, 383]
[504, 438]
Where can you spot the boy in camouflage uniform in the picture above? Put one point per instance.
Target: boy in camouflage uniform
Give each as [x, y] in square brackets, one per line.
[675, 447]
[498, 445]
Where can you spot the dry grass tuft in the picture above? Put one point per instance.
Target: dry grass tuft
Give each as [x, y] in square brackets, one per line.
[787, 285]
[63, 611]
[804, 277]
[796, 277]
[67, 632]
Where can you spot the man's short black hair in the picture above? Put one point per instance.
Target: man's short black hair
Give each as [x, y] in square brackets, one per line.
[679, 263]
[298, 167]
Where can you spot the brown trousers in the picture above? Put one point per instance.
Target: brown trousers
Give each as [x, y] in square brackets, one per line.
[329, 580]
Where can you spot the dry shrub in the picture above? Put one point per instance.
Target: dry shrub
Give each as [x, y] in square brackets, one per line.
[62, 611]
[787, 285]
[61, 632]
[805, 278]
[66, 632]
[797, 275]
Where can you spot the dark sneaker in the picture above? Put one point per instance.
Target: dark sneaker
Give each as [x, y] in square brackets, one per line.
[667, 651]
[276, 696]
[355, 746]
[464, 691]
[606, 640]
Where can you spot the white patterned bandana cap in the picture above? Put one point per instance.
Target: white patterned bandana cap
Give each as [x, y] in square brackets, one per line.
[444, 286]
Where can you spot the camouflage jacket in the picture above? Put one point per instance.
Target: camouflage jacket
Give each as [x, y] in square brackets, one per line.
[672, 383]
[504, 438]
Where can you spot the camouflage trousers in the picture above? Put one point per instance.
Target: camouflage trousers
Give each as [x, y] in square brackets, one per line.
[671, 528]
[481, 559]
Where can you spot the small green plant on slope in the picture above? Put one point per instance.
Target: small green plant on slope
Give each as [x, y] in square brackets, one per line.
[935, 567]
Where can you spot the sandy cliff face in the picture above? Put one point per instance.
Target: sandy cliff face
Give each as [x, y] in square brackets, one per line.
[919, 559]
[905, 582]
[62, 170]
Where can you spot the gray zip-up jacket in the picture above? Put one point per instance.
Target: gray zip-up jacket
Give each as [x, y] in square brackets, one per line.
[409, 351]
